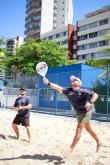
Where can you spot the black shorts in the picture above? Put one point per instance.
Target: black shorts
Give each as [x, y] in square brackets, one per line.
[23, 120]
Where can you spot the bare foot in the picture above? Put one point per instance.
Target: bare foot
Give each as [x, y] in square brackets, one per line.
[99, 144]
[17, 137]
[70, 149]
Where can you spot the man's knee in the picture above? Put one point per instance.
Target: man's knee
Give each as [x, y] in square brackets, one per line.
[27, 127]
[14, 125]
[79, 130]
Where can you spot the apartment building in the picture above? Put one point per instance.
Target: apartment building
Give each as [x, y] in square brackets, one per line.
[56, 22]
[55, 14]
[48, 19]
[63, 36]
[89, 35]
[13, 43]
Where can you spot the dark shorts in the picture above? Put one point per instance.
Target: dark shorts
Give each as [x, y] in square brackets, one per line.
[23, 120]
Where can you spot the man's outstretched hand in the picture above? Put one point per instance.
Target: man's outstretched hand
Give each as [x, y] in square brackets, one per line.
[45, 80]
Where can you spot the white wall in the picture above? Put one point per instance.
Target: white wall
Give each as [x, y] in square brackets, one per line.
[69, 12]
[46, 16]
[64, 14]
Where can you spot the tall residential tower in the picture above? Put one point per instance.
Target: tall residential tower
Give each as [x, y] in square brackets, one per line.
[33, 19]
[43, 16]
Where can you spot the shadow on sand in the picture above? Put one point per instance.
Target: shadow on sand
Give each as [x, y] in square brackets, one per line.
[3, 136]
[12, 137]
[57, 160]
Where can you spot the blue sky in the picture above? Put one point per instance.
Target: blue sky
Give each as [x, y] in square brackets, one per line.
[12, 14]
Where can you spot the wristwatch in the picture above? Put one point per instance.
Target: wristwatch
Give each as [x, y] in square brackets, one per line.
[49, 83]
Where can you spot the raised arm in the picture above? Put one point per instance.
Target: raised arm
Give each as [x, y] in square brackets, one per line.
[52, 85]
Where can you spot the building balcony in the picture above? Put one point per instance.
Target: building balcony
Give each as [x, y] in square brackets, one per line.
[33, 9]
[28, 4]
[32, 22]
[35, 36]
[32, 30]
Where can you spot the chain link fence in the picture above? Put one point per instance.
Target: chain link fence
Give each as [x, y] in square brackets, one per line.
[96, 79]
[10, 90]
[46, 100]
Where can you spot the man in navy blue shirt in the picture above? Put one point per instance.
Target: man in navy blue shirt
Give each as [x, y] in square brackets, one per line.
[22, 106]
[79, 99]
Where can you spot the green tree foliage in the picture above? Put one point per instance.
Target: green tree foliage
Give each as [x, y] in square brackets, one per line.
[32, 52]
[2, 54]
[100, 87]
[99, 63]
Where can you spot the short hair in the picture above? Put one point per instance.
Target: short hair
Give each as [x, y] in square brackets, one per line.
[73, 78]
[22, 89]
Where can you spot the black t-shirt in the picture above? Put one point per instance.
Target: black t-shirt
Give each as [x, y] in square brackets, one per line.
[23, 101]
[78, 98]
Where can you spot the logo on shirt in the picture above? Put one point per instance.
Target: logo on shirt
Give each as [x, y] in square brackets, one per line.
[79, 93]
[74, 93]
[71, 93]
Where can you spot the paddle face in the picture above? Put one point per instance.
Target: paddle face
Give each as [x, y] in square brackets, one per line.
[42, 68]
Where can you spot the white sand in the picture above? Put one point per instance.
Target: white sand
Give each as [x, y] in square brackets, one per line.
[51, 137]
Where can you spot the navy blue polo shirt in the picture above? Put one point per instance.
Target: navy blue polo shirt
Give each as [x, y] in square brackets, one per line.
[23, 101]
[78, 98]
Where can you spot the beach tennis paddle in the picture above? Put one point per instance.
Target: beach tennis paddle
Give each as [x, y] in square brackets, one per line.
[42, 68]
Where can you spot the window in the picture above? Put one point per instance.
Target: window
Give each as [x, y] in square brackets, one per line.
[93, 45]
[64, 33]
[103, 22]
[74, 51]
[103, 43]
[74, 42]
[83, 57]
[64, 42]
[57, 35]
[35, 26]
[11, 42]
[84, 27]
[83, 47]
[103, 32]
[27, 20]
[80, 57]
[92, 35]
[84, 37]
[36, 17]
[92, 55]
[92, 25]
[50, 37]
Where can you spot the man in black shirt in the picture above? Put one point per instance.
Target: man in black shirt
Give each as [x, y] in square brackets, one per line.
[79, 99]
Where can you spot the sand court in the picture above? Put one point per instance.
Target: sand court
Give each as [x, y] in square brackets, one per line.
[51, 137]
